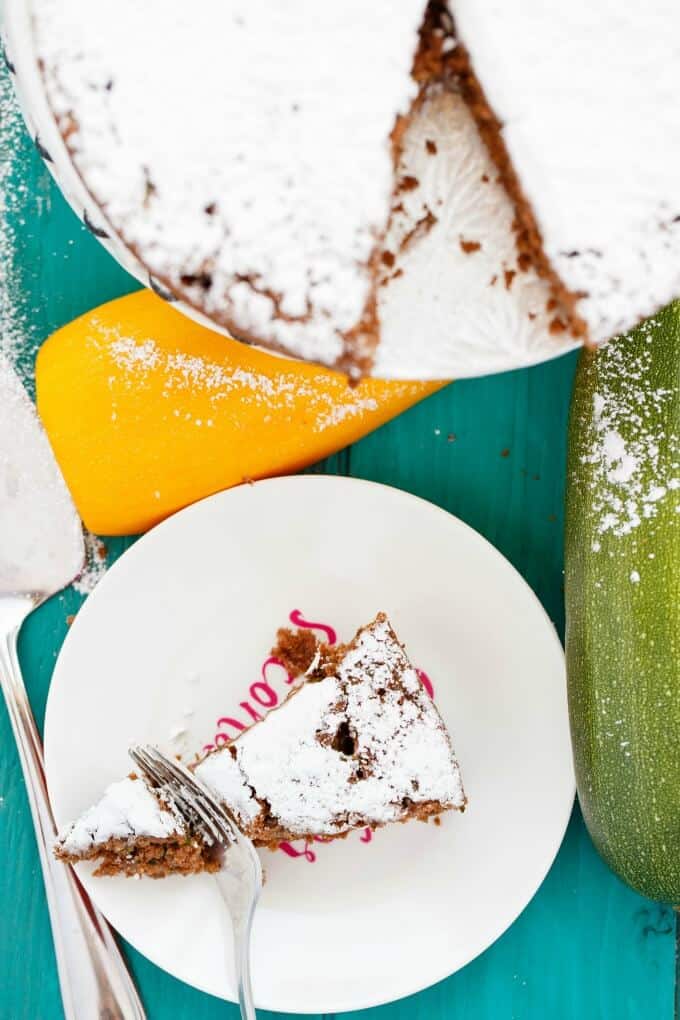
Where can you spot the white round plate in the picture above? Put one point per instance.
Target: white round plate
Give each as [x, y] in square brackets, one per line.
[175, 637]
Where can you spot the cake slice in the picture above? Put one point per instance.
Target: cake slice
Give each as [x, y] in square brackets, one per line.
[358, 743]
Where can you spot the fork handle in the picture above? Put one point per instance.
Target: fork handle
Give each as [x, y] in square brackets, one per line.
[242, 961]
[95, 982]
[240, 895]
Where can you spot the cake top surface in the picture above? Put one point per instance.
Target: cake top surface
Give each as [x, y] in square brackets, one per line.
[127, 809]
[587, 96]
[267, 228]
[352, 748]
[349, 749]
[262, 196]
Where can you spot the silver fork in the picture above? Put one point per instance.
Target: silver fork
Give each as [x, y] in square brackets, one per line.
[239, 878]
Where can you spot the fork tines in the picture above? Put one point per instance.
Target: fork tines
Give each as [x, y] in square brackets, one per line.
[187, 794]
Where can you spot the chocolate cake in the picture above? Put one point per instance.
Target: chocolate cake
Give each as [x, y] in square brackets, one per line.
[273, 186]
[358, 743]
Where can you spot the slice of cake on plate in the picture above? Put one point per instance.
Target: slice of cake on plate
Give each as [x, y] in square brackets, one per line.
[403, 188]
[359, 743]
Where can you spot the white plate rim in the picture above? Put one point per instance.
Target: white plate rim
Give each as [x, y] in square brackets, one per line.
[347, 1004]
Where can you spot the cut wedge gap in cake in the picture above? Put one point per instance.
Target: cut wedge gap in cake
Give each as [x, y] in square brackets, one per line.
[443, 59]
[357, 743]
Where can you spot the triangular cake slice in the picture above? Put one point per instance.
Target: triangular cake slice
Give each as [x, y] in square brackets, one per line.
[438, 187]
[358, 744]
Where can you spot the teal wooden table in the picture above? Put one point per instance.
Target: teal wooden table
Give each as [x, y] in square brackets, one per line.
[491, 451]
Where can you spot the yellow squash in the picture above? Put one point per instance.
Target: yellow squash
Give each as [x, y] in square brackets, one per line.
[147, 411]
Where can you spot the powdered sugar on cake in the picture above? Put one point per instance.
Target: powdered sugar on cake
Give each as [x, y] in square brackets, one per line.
[182, 372]
[361, 746]
[282, 188]
[127, 809]
[256, 184]
[587, 96]
[401, 749]
[16, 329]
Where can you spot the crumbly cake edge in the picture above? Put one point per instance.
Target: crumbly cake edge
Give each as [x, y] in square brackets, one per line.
[153, 856]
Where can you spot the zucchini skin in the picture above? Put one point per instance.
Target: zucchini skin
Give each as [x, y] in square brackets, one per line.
[622, 592]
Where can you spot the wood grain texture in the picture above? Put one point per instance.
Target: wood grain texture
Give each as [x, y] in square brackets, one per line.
[492, 451]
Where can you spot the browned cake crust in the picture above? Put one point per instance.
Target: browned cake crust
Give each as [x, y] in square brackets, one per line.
[361, 341]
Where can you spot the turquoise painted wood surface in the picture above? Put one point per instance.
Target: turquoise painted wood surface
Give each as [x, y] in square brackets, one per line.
[492, 452]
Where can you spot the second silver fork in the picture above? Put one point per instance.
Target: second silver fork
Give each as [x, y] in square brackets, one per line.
[239, 878]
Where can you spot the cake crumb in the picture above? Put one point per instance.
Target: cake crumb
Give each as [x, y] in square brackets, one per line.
[297, 650]
[409, 183]
[468, 247]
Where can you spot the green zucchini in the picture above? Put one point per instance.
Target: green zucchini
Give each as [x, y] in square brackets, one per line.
[622, 588]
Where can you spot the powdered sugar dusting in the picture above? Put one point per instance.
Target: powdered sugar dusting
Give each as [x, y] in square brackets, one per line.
[41, 545]
[609, 216]
[186, 373]
[635, 463]
[402, 751]
[127, 809]
[269, 224]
